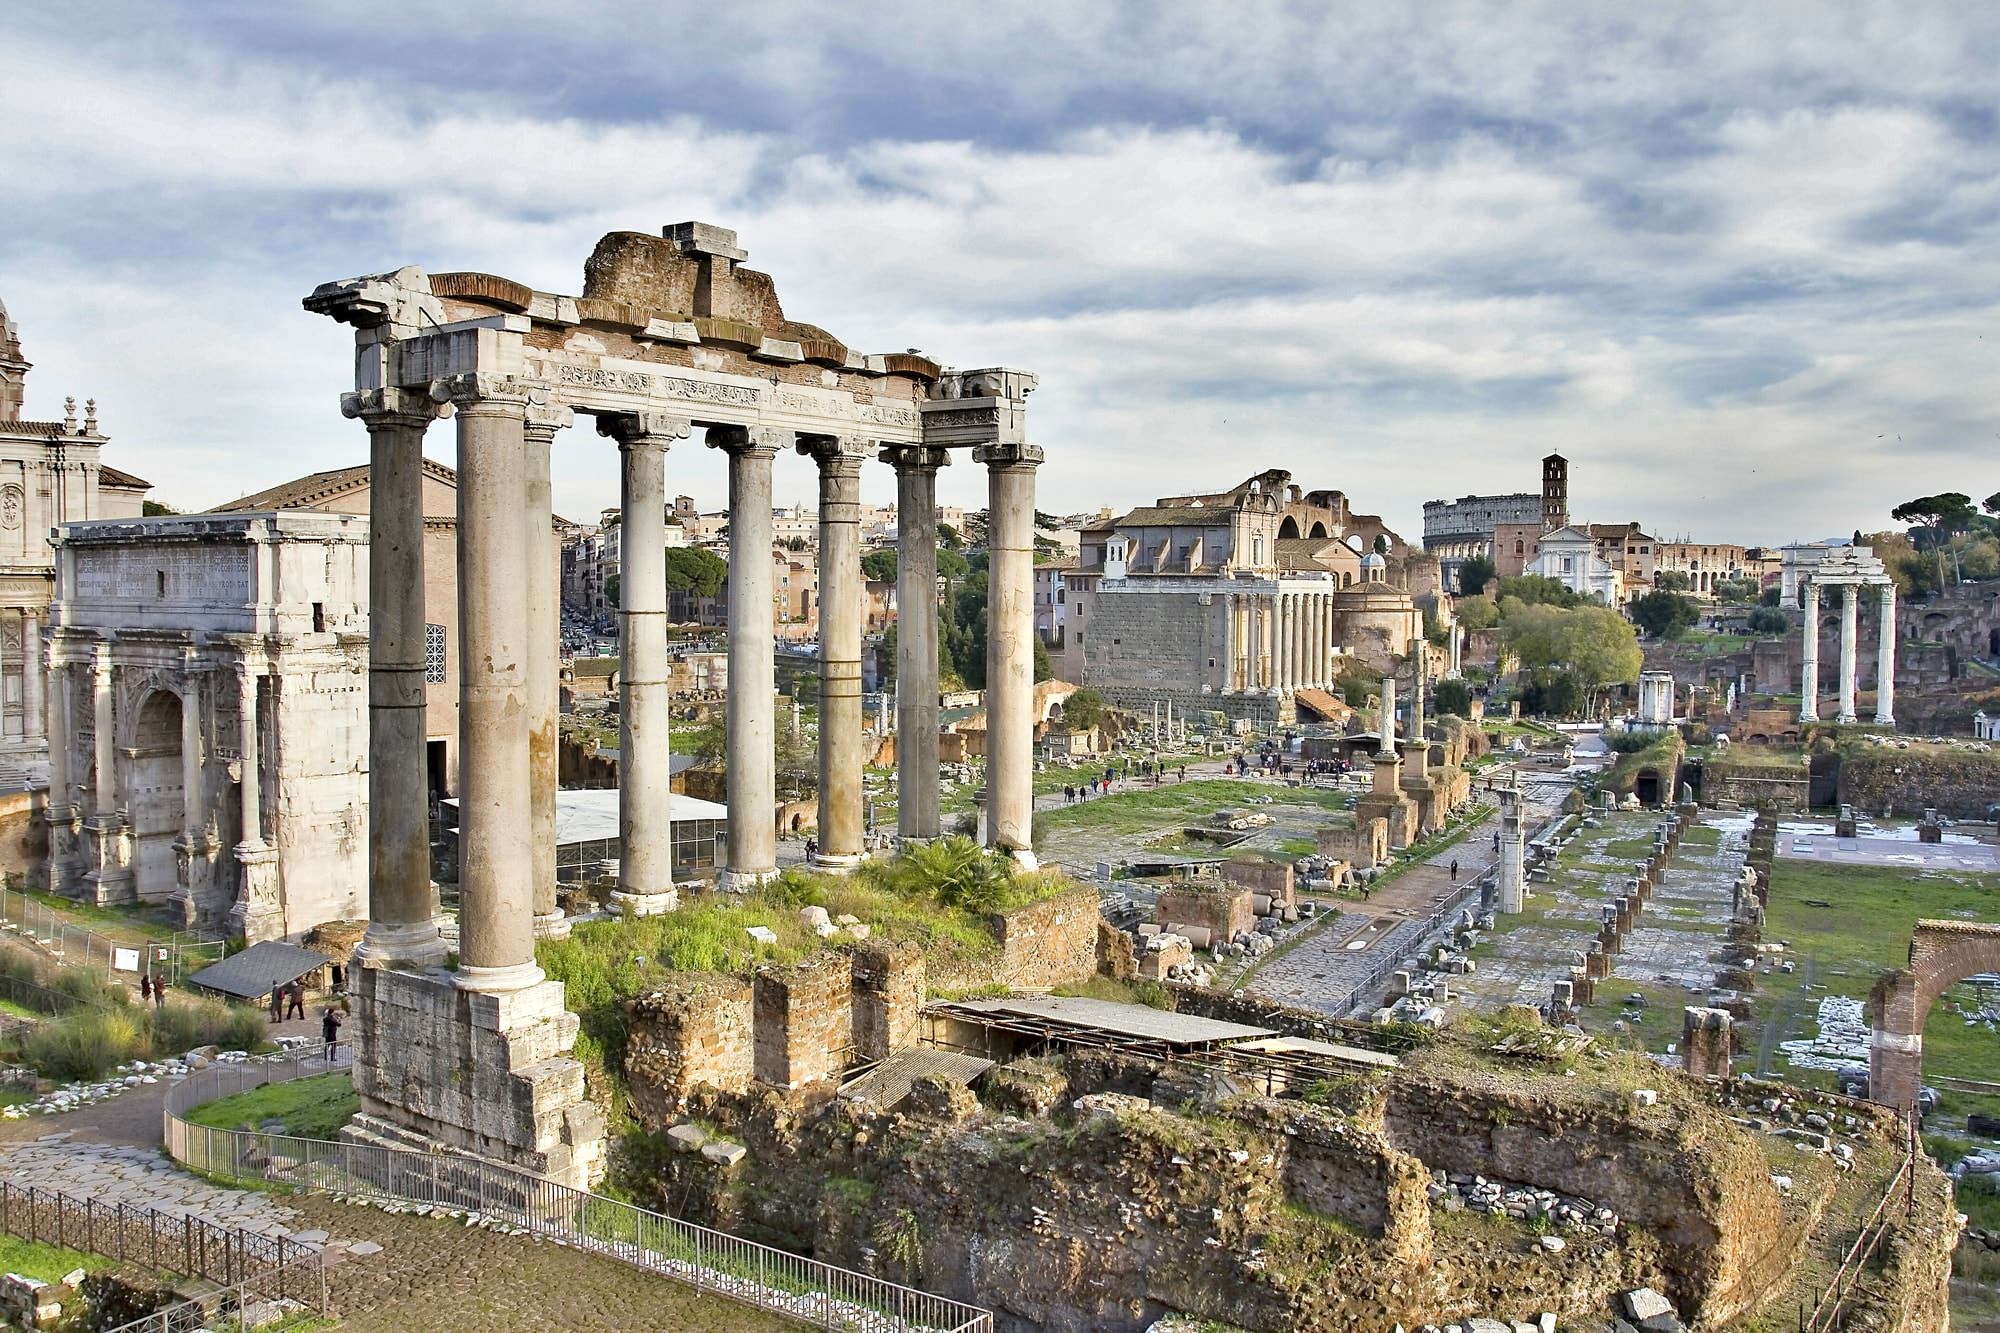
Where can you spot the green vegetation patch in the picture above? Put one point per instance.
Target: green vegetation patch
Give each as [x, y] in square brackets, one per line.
[90, 1041]
[47, 1263]
[1180, 802]
[313, 1108]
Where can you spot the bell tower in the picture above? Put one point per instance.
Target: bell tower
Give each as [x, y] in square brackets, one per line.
[1555, 492]
[13, 368]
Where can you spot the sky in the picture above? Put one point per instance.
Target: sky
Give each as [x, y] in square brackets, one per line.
[1737, 262]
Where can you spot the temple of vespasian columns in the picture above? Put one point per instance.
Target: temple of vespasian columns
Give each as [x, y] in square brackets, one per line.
[670, 335]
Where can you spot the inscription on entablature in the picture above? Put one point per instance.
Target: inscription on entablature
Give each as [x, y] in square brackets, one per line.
[631, 381]
[702, 391]
[963, 416]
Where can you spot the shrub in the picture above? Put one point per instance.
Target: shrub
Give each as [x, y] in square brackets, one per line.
[86, 1045]
[88, 988]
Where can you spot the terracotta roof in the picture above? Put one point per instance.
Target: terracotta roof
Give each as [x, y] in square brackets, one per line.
[111, 476]
[1177, 516]
[311, 491]
[38, 430]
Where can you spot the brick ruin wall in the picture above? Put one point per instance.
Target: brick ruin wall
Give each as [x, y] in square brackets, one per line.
[1711, 1204]
[1960, 784]
[1221, 909]
[798, 1027]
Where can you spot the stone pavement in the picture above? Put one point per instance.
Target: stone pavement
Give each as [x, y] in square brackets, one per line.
[1321, 970]
[111, 1174]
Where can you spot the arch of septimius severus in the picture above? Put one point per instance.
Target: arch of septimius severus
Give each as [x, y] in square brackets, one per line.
[670, 336]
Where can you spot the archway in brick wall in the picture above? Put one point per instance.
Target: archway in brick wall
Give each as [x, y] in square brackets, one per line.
[1942, 953]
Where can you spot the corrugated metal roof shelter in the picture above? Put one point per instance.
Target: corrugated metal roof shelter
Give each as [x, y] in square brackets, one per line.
[890, 1082]
[251, 974]
[1108, 1016]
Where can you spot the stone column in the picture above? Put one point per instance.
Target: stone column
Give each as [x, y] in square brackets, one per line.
[194, 825]
[257, 914]
[1221, 676]
[1885, 660]
[841, 751]
[104, 800]
[916, 638]
[31, 675]
[645, 808]
[750, 729]
[1292, 610]
[1010, 647]
[496, 826]
[402, 902]
[1513, 880]
[1388, 727]
[1809, 666]
[1319, 641]
[544, 597]
[62, 805]
[1850, 607]
[1239, 643]
[1267, 642]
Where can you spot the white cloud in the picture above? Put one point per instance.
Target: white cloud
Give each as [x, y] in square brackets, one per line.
[1710, 255]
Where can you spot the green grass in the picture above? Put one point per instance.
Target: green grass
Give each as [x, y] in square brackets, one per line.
[130, 920]
[46, 1262]
[1181, 802]
[88, 1043]
[313, 1108]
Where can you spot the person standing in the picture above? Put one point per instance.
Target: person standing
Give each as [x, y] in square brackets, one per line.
[297, 1007]
[145, 985]
[329, 1029]
[160, 993]
[277, 1002]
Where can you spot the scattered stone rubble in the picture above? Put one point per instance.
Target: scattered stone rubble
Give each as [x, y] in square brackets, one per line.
[1842, 1039]
[1523, 1203]
[73, 1096]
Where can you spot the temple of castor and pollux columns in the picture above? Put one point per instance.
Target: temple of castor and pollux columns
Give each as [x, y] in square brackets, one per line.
[672, 335]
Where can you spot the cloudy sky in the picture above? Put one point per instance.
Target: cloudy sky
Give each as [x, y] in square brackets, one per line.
[1738, 262]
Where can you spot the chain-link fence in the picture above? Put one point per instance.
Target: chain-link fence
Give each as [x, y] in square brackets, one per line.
[711, 1261]
[75, 945]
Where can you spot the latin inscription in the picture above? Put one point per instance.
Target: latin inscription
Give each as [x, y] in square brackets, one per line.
[631, 381]
[964, 416]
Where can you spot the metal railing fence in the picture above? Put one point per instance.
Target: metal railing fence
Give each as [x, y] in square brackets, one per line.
[161, 1241]
[762, 1276]
[253, 1303]
[76, 945]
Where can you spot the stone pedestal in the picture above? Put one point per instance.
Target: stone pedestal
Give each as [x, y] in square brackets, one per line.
[107, 854]
[257, 915]
[1513, 875]
[484, 1072]
[1387, 803]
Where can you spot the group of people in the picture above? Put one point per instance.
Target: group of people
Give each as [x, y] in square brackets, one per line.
[154, 989]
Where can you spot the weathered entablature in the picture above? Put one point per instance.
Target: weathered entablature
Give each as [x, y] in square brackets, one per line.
[671, 334]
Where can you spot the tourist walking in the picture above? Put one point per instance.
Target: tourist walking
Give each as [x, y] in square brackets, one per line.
[297, 1006]
[329, 1029]
[146, 985]
[1454, 872]
[277, 1002]
[160, 993]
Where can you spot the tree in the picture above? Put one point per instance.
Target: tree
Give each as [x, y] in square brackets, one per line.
[948, 538]
[611, 585]
[1942, 513]
[1672, 580]
[1771, 597]
[1594, 645]
[1665, 615]
[155, 509]
[692, 569]
[1044, 668]
[1736, 591]
[1083, 710]
[1477, 612]
[1769, 620]
[1474, 575]
[1454, 697]
[1537, 589]
[880, 566]
[951, 566]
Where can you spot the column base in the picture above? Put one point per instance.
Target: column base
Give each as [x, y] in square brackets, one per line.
[1846, 719]
[743, 881]
[1884, 720]
[499, 980]
[835, 863]
[415, 944]
[642, 904]
[1022, 857]
[552, 926]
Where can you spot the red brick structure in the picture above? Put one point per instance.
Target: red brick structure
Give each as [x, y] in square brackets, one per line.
[1941, 954]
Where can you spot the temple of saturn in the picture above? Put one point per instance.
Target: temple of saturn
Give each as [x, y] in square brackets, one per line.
[1850, 569]
[671, 335]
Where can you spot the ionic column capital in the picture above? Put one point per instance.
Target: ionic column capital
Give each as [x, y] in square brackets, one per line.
[543, 420]
[834, 453]
[644, 430]
[914, 457]
[480, 393]
[745, 441]
[1004, 455]
[380, 409]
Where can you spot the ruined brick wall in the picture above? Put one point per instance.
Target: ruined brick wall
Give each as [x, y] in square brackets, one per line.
[803, 1018]
[1276, 880]
[1043, 944]
[1724, 783]
[1706, 1194]
[888, 997]
[694, 1031]
[1960, 784]
[1344, 1169]
[1224, 910]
